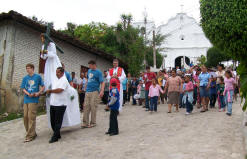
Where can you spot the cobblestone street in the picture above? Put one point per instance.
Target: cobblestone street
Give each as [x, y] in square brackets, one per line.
[210, 135]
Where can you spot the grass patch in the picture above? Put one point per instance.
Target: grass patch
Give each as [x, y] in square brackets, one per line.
[12, 116]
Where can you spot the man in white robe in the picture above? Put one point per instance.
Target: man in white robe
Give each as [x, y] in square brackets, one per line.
[119, 74]
[72, 113]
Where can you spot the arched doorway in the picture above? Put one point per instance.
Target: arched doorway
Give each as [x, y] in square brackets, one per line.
[179, 60]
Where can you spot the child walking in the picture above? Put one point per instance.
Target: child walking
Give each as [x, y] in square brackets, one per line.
[114, 107]
[229, 91]
[212, 92]
[188, 95]
[154, 93]
[141, 92]
[182, 105]
[221, 88]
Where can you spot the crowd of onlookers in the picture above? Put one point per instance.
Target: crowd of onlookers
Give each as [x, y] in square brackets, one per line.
[183, 88]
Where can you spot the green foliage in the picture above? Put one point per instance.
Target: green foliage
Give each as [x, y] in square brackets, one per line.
[215, 56]
[122, 41]
[90, 34]
[224, 22]
[149, 57]
[70, 29]
[202, 60]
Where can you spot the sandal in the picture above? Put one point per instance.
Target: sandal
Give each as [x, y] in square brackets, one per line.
[85, 126]
[28, 140]
[92, 125]
[202, 111]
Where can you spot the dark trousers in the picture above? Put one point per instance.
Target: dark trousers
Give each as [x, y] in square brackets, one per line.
[82, 97]
[162, 96]
[212, 98]
[124, 96]
[153, 103]
[165, 95]
[56, 114]
[222, 101]
[129, 94]
[189, 106]
[141, 101]
[134, 91]
[195, 95]
[113, 128]
[147, 99]
[105, 97]
[181, 104]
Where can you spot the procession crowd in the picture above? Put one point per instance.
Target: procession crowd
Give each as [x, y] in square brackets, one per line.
[179, 88]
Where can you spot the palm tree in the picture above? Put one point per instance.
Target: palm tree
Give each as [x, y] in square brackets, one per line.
[129, 19]
[124, 20]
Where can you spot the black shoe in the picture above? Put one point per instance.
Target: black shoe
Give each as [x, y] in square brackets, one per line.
[52, 140]
[107, 133]
[229, 114]
[112, 134]
[59, 137]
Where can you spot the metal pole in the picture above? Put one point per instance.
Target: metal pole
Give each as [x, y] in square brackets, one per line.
[145, 41]
[154, 50]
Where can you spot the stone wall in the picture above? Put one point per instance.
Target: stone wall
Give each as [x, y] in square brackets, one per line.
[23, 46]
[27, 50]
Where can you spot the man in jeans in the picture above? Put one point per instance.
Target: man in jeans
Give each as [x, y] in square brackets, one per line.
[148, 76]
[31, 88]
[95, 79]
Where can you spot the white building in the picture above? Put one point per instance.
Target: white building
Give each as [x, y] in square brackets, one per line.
[185, 41]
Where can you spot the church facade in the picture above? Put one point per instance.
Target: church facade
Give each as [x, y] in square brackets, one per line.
[20, 44]
[185, 41]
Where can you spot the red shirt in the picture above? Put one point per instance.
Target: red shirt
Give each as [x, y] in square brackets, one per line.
[149, 76]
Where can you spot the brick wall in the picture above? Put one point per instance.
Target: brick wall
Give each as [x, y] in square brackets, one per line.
[27, 48]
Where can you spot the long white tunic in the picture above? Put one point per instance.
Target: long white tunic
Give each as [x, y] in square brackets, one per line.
[72, 113]
[121, 79]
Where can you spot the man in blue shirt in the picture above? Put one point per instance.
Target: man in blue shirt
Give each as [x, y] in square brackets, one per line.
[93, 92]
[204, 84]
[31, 88]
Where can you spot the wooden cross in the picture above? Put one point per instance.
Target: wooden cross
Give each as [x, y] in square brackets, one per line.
[48, 39]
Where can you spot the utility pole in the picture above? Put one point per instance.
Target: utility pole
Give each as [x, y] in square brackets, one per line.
[154, 50]
[145, 36]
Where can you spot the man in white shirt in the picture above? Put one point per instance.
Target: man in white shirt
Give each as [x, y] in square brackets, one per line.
[119, 74]
[58, 103]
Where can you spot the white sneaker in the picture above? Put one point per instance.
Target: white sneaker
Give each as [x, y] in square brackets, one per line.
[187, 113]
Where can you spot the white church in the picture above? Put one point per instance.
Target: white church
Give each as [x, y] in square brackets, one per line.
[185, 41]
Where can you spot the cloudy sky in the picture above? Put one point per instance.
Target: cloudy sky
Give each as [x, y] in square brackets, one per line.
[85, 11]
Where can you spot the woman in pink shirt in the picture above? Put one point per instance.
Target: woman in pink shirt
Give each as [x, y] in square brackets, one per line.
[229, 91]
[154, 93]
[197, 98]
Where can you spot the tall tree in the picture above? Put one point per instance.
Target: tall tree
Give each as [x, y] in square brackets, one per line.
[224, 23]
[215, 56]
